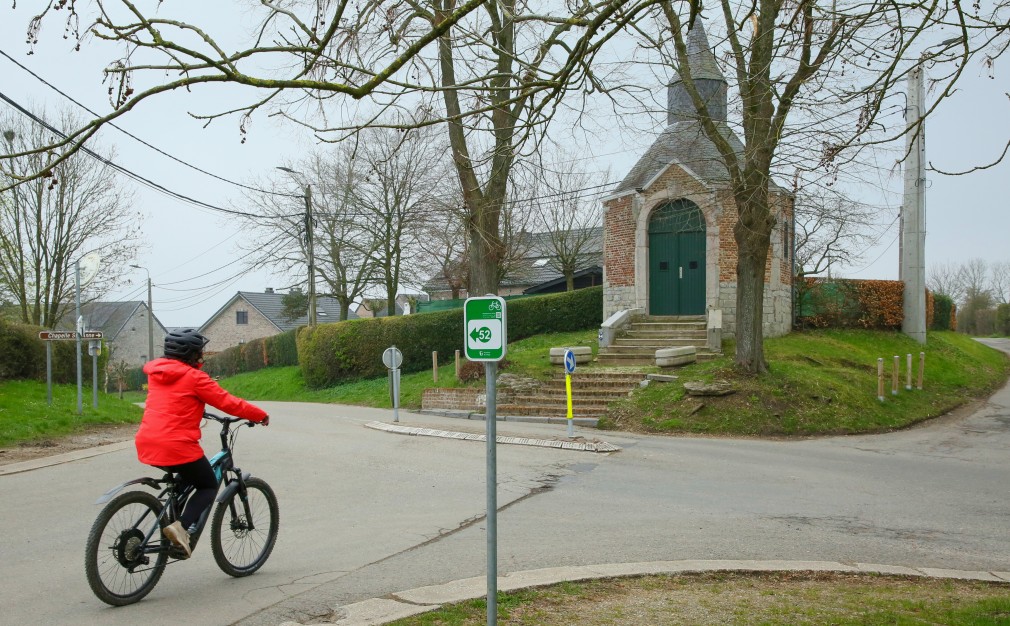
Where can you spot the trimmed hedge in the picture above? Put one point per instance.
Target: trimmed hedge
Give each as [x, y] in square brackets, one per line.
[273, 351]
[334, 353]
[846, 303]
[24, 356]
[944, 313]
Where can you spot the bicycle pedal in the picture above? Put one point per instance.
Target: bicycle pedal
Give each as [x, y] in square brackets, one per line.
[175, 552]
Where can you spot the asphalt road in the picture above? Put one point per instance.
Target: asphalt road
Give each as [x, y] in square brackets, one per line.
[366, 513]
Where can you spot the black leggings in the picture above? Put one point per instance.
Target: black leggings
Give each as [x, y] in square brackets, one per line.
[199, 474]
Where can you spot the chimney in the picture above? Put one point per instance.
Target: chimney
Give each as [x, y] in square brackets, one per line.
[268, 290]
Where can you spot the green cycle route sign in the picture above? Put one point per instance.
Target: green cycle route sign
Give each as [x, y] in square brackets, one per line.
[484, 325]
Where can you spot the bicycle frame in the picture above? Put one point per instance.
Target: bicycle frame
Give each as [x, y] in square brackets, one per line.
[173, 500]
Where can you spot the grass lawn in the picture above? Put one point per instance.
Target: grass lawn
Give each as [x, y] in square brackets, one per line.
[25, 416]
[773, 599]
[820, 382]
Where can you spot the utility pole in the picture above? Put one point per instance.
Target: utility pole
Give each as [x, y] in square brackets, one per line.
[913, 213]
[309, 247]
[150, 315]
[311, 254]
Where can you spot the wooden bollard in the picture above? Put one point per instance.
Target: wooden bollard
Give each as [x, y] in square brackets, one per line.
[908, 373]
[457, 364]
[880, 379]
[894, 377]
[922, 366]
[434, 365]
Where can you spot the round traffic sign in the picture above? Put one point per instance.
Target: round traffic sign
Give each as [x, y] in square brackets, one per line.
[392, 358]
[569, 362]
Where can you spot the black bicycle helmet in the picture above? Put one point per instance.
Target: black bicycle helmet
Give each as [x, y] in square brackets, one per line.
[185, 345]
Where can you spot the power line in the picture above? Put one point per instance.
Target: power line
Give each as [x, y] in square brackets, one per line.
[133, 175]
[132, 136]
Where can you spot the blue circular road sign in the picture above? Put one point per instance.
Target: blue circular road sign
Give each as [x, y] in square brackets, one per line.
[569, 362]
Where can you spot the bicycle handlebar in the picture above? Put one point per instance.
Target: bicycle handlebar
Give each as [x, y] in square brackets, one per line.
[227, 420]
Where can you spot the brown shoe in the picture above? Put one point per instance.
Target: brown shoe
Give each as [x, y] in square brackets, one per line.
[175, 533]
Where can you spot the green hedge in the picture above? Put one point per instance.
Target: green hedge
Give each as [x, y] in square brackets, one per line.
[943, 313]
[24, 356]
[276, 350]
[1003, 320]
[334, 353]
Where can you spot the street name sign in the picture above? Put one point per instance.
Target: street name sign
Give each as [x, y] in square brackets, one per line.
[69, 335]
[485, 328]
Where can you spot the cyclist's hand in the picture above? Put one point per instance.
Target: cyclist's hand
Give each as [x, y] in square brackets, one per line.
[266, 421]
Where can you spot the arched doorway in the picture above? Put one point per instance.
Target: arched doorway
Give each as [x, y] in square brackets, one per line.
[677, 259]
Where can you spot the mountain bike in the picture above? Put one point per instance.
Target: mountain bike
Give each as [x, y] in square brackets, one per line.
[127, 553]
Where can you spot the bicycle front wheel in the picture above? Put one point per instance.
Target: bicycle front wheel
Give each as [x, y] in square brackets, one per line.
[120, 564]
[244, 529]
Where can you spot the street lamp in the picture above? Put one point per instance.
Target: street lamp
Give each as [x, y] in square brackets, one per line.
[150, 315]
[308, 246]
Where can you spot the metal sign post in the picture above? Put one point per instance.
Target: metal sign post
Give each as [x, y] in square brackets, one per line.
[94, 349]
[392, 358]
[95, 337]
[569, 370]
[485, 338]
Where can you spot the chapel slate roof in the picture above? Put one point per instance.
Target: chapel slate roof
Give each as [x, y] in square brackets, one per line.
[684, 143]
[700, 57]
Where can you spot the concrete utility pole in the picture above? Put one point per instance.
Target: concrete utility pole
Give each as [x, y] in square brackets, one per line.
[311, 254]
[150, 316]
[913, 213]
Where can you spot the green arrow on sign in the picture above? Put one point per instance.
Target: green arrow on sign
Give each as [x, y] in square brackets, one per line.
[482, 334]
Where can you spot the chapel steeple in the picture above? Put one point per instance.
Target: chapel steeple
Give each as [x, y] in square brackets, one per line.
[710, 82]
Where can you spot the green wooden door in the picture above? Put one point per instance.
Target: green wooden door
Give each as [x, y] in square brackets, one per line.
[677, 260]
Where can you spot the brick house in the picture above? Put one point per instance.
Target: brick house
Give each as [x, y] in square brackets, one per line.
[668, 246]
[125, 329]
[251, 315]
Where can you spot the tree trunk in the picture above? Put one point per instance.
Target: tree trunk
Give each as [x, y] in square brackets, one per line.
[752, 234]
[485, 246]
[570, 281]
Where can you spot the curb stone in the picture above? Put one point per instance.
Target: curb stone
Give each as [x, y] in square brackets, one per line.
[588, 446]
[411, 602]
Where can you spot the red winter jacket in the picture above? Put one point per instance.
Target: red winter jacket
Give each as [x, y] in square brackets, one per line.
[176, 395]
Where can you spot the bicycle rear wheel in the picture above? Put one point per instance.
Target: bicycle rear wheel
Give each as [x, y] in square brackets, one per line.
[119, 564]
[243, 534]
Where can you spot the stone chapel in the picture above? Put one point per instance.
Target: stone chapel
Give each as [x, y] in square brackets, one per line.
[668, 242]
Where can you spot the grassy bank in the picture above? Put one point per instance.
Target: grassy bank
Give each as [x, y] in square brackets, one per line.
[774, 599]
[25, 415]
[820, 382]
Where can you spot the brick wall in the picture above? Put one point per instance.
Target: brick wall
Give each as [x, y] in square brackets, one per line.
[225, 333]
[465, 399]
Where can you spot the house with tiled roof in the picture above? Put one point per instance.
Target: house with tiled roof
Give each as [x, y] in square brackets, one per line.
[538, 269]
[125, 329]
[669, 245]
[252, 315]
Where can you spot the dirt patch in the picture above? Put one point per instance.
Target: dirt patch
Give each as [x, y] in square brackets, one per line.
[89, 437]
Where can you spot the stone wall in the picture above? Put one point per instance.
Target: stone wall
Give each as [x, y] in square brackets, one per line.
[225, 333]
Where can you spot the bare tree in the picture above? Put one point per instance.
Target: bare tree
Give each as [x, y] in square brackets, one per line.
[570, 217]
[343, 245]
[48, 224]
[444, 252]
[944, 279]
[404, 172]
[830, 231]
[974, 313]
[1000, 282]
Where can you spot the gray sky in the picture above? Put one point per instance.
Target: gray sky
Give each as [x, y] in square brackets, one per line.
[192, 252]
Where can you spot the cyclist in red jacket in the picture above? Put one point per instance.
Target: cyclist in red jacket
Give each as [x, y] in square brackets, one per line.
[169, 434]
